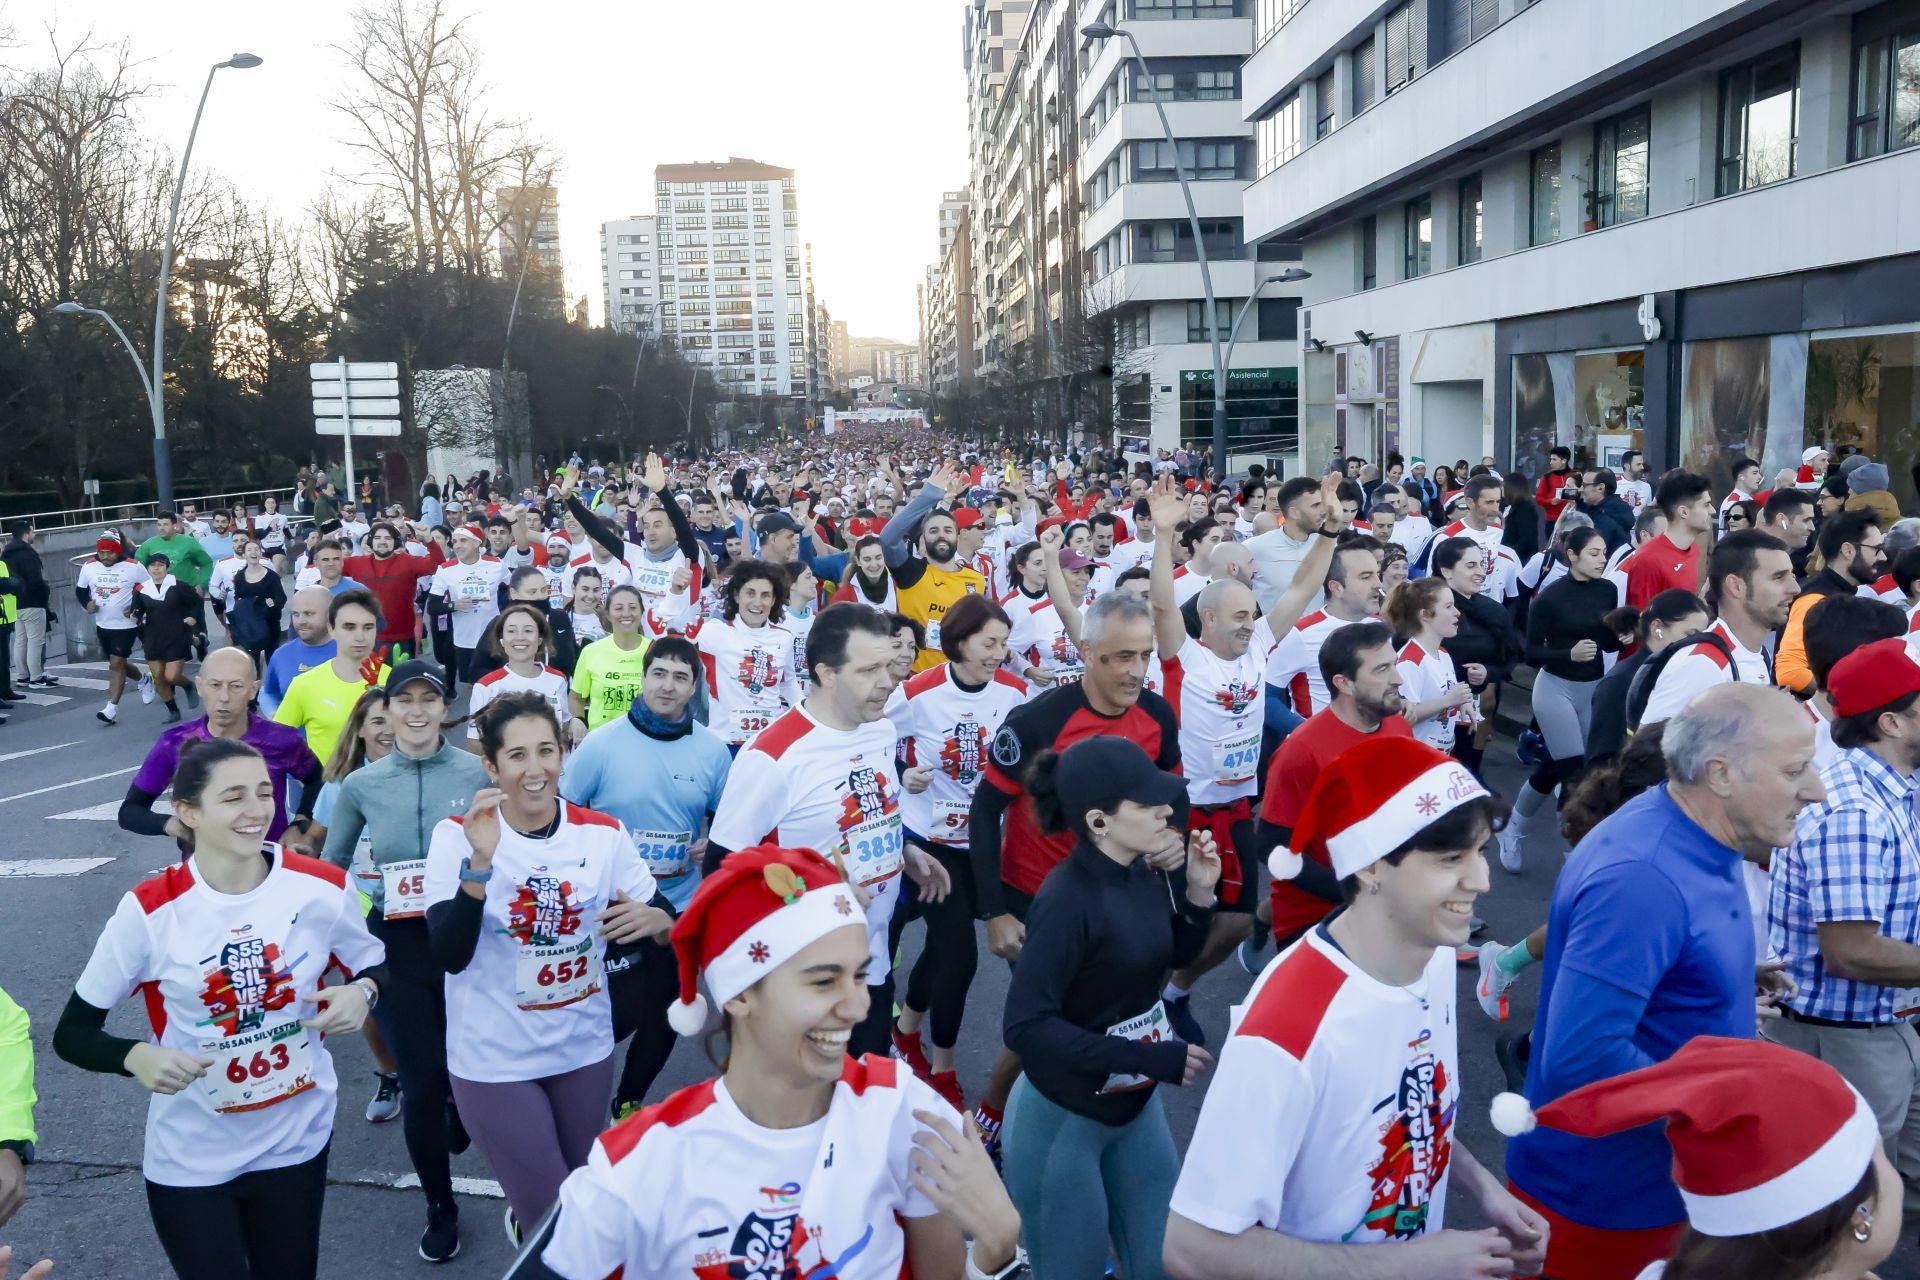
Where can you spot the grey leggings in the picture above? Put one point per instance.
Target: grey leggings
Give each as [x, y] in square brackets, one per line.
[535, 1132]
[1564, 710]
[1079, 1184]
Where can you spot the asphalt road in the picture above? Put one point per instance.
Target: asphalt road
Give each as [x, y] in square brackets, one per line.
[62, 774]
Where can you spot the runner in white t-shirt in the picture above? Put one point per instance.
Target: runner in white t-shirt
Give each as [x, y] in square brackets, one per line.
[823, 777]
[519, 638]
[106, 586]
[1437, 700]
[524, 894]
[1352, 595]
[748, 655]
[1328, 1126]
[798, 1160]
[470, 585]
[231, 949]
[947, 717]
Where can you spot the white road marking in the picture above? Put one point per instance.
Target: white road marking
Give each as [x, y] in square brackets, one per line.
[44, 699]
[18, 868]
[60, 786]
[80, 666]
[464, 1186]
[15, 755]
[80, 682]
[106, 812]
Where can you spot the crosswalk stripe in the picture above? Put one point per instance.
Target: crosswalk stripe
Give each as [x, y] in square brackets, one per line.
[24, 868]
[81, 682]
[464, 1186]
[34, 751]
[61, 786]
[44, 699]
[79, 666]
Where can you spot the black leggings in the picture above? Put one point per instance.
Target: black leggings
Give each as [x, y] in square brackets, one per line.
[259, 1226]
[942, 975]
[641, 995]
[1551, 773]
[412, 1014]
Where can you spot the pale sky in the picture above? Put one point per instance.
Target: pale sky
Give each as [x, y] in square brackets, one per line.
[865, 99]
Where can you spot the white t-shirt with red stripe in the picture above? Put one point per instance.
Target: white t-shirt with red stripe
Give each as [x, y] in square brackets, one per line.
[613, 573]
[1045, 643]
[1330, 1116]
[692, 1187]
[478, 582]
[228, 977]
[750, 675]
[1698, 668]
[532, 1002]
[803, 785]
[949, 729]
[1295, 662]
[1220, 705]
[1497, 561]
[1425, 676]
[1187, 584]
[549, 683]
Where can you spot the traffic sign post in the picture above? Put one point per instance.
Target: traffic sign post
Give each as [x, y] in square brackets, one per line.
[356, 395]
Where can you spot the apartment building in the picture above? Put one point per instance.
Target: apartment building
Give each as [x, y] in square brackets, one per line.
[948, 314]
[732, 271]
[529, 245]
[1667, 225]
[1143, 266]
[629, 272]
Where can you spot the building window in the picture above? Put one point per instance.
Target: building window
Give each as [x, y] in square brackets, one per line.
[1472, 221]
[1406, 45]
[1759, 120]
[1204, 159]
[1364, 89]
[1323, 104]
[1195, 84]
[1277, 136]
[1270, 15]
[1417, 238]
[1145, 9]
[1464, 22]
[1173, 241]
[1224, 310]
[1369, 252]
[1544, 185]
[1618, 192]
[1886, 95]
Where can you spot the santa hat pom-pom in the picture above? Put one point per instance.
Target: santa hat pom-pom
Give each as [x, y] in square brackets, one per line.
[1512, 1116]
[688, 1018]
[1283, 863]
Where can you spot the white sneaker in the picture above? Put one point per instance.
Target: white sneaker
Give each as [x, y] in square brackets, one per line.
[1510, 839]
[147, 695]
[109, 713]
[1491, 990]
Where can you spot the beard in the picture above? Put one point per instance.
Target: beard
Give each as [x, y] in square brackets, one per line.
[940, 551]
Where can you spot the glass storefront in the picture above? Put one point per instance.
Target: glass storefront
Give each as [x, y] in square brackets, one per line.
[1593, 402]
[1863, 389]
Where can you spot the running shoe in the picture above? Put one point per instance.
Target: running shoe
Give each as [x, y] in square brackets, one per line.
[109, 714]
[1532, 748]
[44, 682]
[912, 1051]
[1510, 837]
[172, 716]
[1512, 1053]
[13, 695]
[147, 691]
[386, 1103]
[1185, 1025]
[513, 1228]
[621, 1110]
[440, 1242]
[1251, 953]
[1491, 990]
[947, 1085]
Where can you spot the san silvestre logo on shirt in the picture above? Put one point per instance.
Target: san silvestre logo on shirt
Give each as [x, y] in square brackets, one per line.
[1415, 1124]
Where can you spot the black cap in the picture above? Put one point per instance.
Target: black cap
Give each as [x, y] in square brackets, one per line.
[776, 522]
[1098, 773]
[416, 669]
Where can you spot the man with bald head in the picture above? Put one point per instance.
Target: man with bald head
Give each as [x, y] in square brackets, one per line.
[312, 644]
[227, 687]
[1651, 942]
[1214, 684]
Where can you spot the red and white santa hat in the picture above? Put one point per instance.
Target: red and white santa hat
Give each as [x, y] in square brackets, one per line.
[1373, 798]
[469, 531]
[760, 909]
[1762, 1135]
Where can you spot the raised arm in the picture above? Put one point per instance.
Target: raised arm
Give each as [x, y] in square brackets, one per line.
[1169, 628]
[1058, 591]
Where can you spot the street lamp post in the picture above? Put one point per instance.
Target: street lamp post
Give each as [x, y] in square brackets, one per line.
[1292, 275]
[156, 385]
[80, 309]
[1106, 31]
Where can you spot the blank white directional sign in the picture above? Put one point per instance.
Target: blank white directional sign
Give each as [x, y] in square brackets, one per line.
[358, 388]
[361, 426]
[355, 369]
[361, 409]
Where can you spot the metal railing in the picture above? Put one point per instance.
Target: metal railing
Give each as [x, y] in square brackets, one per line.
[116, 512]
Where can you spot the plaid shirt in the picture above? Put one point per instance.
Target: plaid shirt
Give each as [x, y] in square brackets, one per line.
[1854, 857]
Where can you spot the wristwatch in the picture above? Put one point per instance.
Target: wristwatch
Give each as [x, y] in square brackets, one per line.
[1017, 1267]
[469, 876]
[20, 1147]
[371, 989]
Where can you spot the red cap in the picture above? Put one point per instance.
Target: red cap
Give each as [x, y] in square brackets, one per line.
[966, 517]
[1872, 676]
[109, 540]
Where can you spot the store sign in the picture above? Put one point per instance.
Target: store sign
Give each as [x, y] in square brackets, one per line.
[1233, 375]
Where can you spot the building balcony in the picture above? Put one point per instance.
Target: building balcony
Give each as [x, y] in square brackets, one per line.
[1215, 37]
[1160, 202]
[1492, 94]
[1139, 122]
[1177, 281]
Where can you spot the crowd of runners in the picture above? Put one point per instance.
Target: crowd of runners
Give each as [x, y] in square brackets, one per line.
[523, 782]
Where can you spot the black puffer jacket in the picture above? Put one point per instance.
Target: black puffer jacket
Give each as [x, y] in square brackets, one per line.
[1486, 637]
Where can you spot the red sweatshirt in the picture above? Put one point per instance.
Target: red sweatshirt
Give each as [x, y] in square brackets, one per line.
[393, 582]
